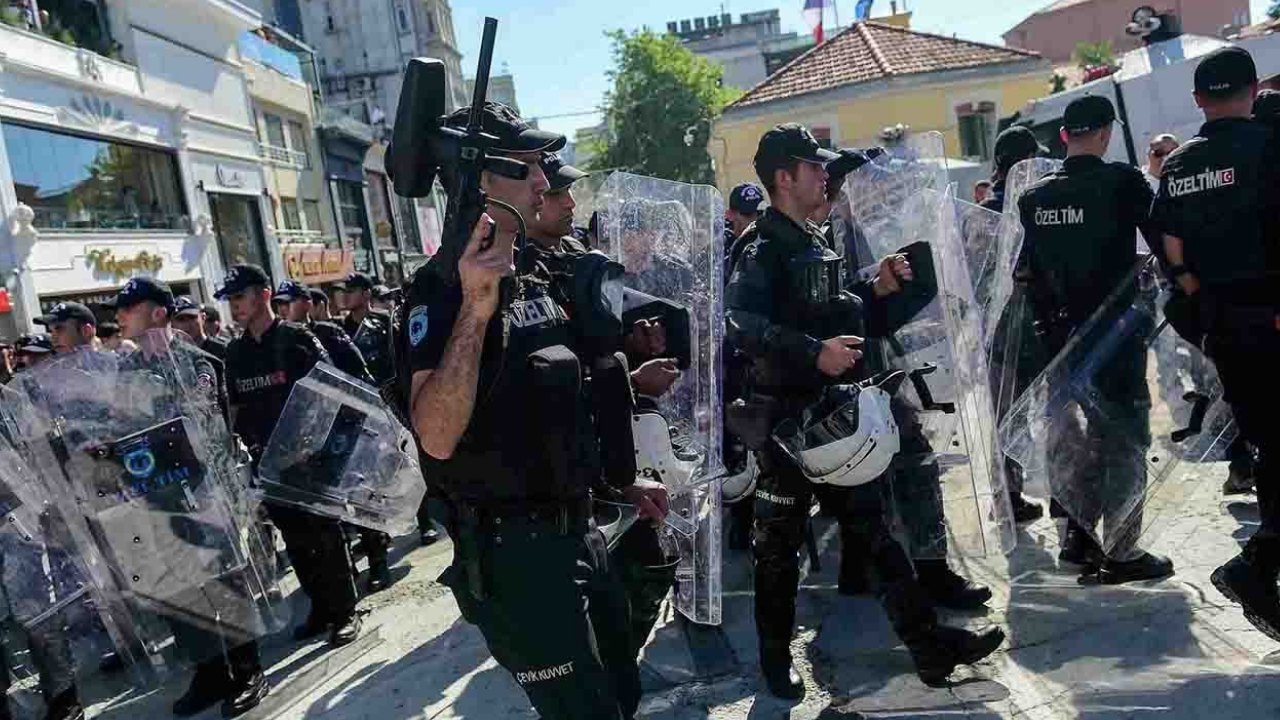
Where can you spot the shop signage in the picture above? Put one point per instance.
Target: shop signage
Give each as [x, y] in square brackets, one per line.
[317, 265]
[103, 260]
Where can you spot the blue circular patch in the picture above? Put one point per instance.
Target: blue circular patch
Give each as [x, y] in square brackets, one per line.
[140, 463]
[417, 325]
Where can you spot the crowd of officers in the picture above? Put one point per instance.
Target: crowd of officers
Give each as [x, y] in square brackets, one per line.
[505, 385]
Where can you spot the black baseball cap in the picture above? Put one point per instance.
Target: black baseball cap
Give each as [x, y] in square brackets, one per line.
[290, 290]
[1016, 144]
[785, 144]
[513, 133]
[241, 277]
[1225, 71]
[381, 291]
[1267, 105]
[211, 312]
[141, 290]
[1088, 113]
[355, 280]
[34, 343]
[746, 199]
[318, 296]
[183, 305]
[64, 311]
[559, 173]
[108, 330]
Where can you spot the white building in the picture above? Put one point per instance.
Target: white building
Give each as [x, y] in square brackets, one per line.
[115, 168]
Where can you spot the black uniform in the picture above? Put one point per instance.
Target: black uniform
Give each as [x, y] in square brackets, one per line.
[1080, 225]
[261, 374]
[530, 568]
[1218, 193]
[785, 298]
[372, 335]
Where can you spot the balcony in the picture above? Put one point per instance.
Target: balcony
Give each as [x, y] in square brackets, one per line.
[283, 156]
[31, 52]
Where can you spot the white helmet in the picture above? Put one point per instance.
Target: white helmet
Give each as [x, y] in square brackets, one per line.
[848, 437]
[741, 485]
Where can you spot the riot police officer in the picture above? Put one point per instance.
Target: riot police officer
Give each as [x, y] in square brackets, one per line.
[296, 303]
[188, 317]
[742, 211]
[1080, 223]
[369, 328]
[780, 294]
[236, 679]
[263, 365]
[30, 350]
[497, 405]
[1217, 207]
[71, 325]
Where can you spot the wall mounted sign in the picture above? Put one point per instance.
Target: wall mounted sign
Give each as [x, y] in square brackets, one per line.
[105, 261]
[317, 265]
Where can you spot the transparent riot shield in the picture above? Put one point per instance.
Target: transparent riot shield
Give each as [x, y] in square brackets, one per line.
[949, 493]
[338, 451]
[57, 617]
[139, 483]
[1121, 418]
[669, 236]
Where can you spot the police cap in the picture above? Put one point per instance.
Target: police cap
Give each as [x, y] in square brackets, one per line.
[1016, 144]
[784, 145]
[513, 133]
[142, 289]
[746, 199]
[34, 343]
[560, 174]
[354, 281]
[1224, 71]
[184, 306]
[64, 311]
[1088, 113]
[1267, 105]
[242, 277]
[290, 290]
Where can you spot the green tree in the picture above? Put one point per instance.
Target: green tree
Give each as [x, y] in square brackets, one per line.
[1273, 12]
[662, 96]
[1095, 54]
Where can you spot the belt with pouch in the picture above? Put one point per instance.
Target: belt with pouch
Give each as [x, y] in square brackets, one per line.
[520, 519]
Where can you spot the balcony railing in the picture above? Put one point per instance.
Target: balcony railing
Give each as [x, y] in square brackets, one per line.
[283, 156]
[299, 236]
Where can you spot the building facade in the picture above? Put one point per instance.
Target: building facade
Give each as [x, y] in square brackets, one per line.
[145, 163]
[1056, 29]
[857, 88]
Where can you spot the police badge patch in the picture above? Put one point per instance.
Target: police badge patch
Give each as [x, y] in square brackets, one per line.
[417, 324]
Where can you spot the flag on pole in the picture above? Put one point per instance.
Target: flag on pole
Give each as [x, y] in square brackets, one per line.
[813, 12]
[863, 10]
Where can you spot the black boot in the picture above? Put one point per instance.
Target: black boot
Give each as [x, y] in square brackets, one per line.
[1250, 581]
[949, 590]
[1078, 548]
[1145, 567]
[938, 651]
[1056, 510]
[1023, 511]
[65, 706]
[208, 686]
[346, 631]
[246, 694]
[379, 574]
[781, 676]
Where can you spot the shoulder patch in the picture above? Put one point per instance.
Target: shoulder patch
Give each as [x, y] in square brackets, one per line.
[417, 325]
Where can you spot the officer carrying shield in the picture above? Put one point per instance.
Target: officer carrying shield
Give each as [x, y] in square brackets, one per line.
[1217, 207]
[785, 289]
[188, 317]
[262, 367]
[296, 304]
[1080, 223]
[499, 411]
[369, 328]
[236, 679]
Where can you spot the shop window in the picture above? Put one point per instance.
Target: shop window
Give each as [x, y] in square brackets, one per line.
[275, 130]
[289, 209]
[311, 214]
[298, 143]
[80, 183]
[237, 223]
[974, 121]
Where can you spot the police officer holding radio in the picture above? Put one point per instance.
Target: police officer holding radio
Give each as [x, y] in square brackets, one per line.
[786, 288]
[1080, 223]
[499, 411]
[263, 365]
[1218, 206]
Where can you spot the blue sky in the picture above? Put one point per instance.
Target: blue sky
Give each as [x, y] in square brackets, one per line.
[559, 55]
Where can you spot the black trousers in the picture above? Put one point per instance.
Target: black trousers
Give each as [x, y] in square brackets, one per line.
[553, 614]
[647, 575]
[783, 498]
[1246, 364]
[318, 549]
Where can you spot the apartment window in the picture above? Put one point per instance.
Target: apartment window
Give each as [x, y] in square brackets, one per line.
[80, 183]
[822, 135]
[311, 215]
[975, 121]
[351, 206]
[403, 17]
[298, 143]
[289, 210]
[275, 130]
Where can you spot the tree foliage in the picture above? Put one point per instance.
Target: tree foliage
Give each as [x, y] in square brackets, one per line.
[1273, 12]
[1100, 54]
[661, 93]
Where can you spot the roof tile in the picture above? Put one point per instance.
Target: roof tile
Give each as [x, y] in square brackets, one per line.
[868, 51]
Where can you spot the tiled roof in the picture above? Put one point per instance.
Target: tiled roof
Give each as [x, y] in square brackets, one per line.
[1060, 5]
[868, 51]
